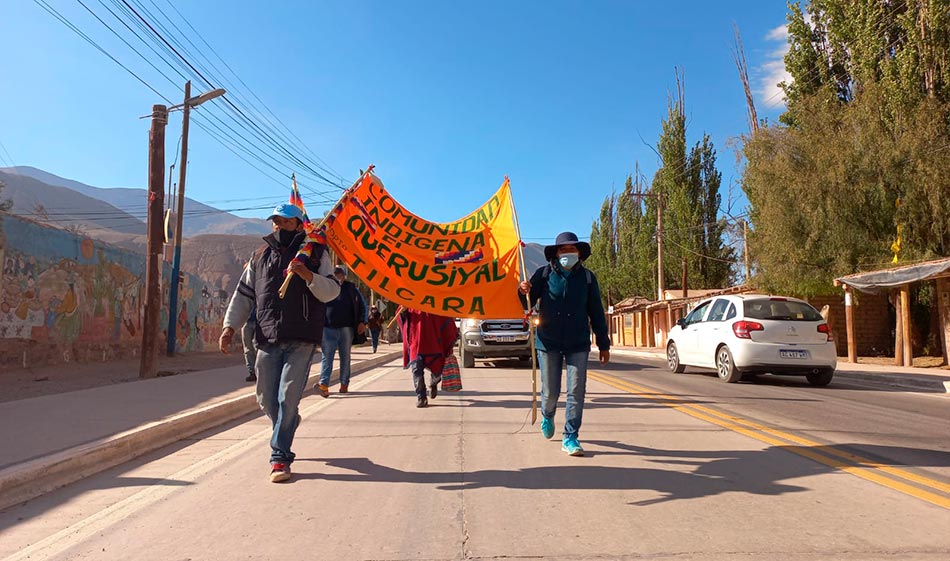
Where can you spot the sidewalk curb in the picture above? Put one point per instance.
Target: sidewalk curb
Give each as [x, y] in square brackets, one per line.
[906, 381]
[22, 482]
[933, 383]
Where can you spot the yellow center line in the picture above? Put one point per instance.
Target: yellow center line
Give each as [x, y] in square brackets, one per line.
[828, 455]
[829, 450]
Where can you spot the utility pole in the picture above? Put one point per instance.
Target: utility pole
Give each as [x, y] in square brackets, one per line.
[176, 261]
[660, 286]
[659, 247]
[156, 202]
[745, 249]
[685, 271]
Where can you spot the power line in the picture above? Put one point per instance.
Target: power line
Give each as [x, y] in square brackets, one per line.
[8, 159]
[299, 144]
[62, 19]
[67, 23]
[258, 131]
[700, 254]
[162, 45]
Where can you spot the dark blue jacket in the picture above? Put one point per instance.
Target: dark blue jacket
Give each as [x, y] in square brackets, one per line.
[565, 323]
[348, 309]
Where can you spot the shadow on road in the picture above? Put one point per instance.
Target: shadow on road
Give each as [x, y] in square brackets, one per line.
[691, 474]
[716, 473]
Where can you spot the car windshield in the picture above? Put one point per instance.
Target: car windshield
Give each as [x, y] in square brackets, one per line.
[789, 310]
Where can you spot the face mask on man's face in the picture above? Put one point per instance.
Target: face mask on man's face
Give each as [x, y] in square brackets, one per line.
[285, 237]
[568, 260]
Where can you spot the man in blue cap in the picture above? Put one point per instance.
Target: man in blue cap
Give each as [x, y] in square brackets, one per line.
[568, 299]
[288, 329]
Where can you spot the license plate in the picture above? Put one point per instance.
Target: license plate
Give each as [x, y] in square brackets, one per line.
[792, 354]
[505, 338]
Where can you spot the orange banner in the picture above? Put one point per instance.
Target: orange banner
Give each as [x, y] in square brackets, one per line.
[467, 268]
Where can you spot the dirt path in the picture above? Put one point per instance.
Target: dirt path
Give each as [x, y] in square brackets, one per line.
[35, 382]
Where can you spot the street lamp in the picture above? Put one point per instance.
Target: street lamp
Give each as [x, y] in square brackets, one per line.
[198, 99]
[176, 262]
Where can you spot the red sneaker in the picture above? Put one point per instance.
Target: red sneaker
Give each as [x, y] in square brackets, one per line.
[279, 472]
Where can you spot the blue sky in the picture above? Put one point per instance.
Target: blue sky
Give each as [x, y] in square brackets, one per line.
[444, 98]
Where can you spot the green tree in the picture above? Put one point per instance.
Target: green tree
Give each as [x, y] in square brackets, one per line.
[859, 150]
[688, 183]
[636, 250]
[623, 239]
[603, 257]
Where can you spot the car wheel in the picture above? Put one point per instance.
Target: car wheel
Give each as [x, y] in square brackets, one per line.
[726, 367]
[821, 378]
[673, 359]
[468, 360]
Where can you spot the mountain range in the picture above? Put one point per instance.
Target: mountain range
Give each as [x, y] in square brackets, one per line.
[216, 243]
[73, 203]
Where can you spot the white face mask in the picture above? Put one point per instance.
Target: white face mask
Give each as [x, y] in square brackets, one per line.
[568, 260]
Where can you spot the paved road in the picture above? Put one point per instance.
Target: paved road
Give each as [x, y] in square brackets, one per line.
[679, 467]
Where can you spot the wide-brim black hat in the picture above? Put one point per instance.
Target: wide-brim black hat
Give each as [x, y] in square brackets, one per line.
[567, 238]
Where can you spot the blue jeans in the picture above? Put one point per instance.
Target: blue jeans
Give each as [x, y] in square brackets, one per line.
[375, 334]
[336, 339]
[250, 349]
[551, 363]
[282, 373]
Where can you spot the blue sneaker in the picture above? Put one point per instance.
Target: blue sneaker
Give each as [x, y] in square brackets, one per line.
[547, 427]
[571, 446]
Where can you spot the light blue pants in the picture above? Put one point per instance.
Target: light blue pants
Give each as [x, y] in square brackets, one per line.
[282, 373]
[336, 339]
[551, 363]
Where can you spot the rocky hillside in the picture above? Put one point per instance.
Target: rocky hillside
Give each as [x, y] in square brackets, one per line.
[218, 260]
[66, 208]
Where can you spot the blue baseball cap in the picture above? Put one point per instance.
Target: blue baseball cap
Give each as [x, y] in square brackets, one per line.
[286, 210]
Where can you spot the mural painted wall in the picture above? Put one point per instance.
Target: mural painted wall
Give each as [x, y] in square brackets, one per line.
[65, 297]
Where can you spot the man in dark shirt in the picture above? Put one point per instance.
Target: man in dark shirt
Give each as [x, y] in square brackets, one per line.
[345, 316]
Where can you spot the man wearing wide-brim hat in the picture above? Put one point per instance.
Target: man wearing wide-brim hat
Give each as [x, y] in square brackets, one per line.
[568, 300]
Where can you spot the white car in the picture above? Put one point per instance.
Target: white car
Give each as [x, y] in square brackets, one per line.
[754, 334]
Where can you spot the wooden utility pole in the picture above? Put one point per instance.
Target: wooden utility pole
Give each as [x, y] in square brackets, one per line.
[685, 279]
[176, 261]
[908, 331]
[898, 329]
[745, 249]
[943, 305]
[156, 202]
[849, 324]
[661, 289]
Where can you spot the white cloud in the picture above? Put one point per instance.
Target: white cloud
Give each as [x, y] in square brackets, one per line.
[780, 33]
[772, 71]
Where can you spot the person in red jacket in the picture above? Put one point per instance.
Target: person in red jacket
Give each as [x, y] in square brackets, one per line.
[427, 339]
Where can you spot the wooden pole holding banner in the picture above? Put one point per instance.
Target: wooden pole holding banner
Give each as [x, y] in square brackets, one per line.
[283, 287]
[527, 312]
[395, 316]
